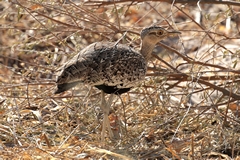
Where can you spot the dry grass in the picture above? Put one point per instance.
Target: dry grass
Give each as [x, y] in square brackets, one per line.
[186, 108]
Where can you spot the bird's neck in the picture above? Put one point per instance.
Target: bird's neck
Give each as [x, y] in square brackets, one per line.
[146, 49]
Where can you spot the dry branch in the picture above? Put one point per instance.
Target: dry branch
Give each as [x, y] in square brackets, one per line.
[99, 3]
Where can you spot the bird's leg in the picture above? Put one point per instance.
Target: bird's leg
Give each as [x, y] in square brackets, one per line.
[109, 102]
[105, 106]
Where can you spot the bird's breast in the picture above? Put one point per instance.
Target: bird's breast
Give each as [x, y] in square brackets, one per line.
[120, 71]
[112, 89]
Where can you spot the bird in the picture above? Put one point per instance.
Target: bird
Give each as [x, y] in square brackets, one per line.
[111, 67]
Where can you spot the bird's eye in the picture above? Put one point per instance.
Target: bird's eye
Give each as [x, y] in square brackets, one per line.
[159, 33]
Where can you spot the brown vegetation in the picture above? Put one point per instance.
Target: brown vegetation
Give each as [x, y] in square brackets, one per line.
[186, 108]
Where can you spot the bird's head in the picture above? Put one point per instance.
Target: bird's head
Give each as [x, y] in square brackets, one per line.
[154, 34]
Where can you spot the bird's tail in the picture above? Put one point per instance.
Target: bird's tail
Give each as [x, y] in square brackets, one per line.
[65, 86]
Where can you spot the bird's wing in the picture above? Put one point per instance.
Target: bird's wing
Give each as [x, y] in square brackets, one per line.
[104, 63]
[76, 68]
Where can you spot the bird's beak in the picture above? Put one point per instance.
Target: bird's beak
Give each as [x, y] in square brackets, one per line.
[173, 33]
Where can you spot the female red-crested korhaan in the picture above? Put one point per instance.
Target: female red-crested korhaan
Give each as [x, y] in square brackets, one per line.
[111, 67]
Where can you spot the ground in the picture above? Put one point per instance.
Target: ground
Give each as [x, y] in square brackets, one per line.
[186, 108]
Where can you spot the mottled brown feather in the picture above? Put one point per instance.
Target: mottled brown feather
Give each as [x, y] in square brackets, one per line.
[111, 67]
[104, 63]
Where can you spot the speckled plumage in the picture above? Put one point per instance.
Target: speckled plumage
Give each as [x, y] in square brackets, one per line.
[104, 63]
[111, 67]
